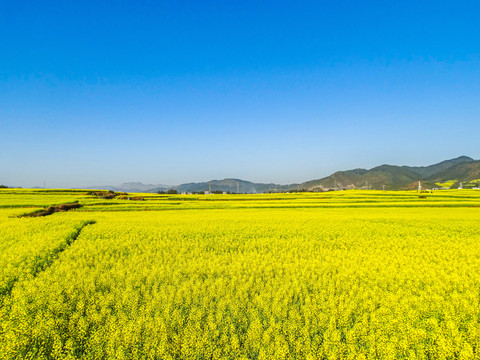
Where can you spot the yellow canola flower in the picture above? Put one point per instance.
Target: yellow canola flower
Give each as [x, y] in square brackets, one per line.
[306, 276]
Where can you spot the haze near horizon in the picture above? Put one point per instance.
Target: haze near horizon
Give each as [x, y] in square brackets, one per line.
[98, 93]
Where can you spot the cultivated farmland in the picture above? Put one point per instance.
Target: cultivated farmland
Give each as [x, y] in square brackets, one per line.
[338, 275]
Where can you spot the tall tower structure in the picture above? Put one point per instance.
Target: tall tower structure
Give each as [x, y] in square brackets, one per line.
[419, 186]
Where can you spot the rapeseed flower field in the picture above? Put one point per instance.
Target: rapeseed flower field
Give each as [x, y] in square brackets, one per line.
[340, 275]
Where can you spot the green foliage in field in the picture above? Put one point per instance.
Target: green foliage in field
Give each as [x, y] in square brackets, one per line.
[344, 275]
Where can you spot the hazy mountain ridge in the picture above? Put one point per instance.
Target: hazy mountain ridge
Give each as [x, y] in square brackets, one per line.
[390, 177]
[229, 185]
[130, 187]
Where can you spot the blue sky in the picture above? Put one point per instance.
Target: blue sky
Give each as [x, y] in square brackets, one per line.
[104, 92]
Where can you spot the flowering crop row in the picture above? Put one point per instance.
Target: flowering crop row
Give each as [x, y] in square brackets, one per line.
[292, 283]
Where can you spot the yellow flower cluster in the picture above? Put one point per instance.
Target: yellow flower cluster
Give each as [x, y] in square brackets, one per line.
[28, 245]
[367, 282]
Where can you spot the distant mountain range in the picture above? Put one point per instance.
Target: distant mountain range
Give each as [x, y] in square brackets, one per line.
[229, 185]
[130, 187]
[449, 173]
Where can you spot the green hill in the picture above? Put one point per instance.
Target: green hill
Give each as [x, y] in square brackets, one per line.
[466, 173]
[392, 177]
[432, 170]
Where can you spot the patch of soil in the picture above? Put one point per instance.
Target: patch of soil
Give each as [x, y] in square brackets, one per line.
[138, 198]
[103, 194]
[53, 209]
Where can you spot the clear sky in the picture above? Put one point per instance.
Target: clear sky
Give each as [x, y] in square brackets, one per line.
[166, 92]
